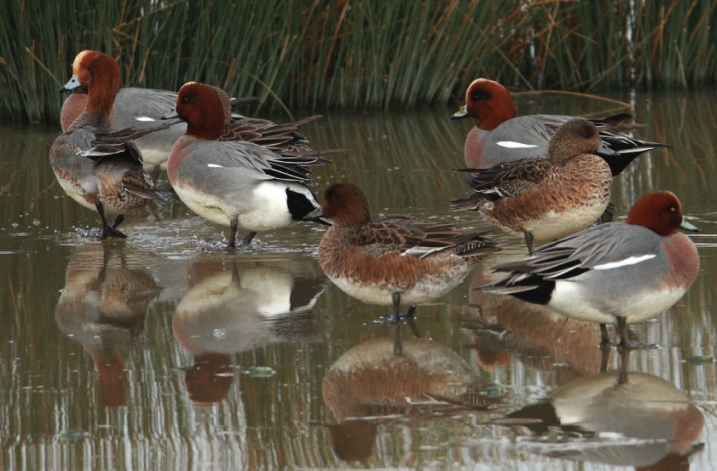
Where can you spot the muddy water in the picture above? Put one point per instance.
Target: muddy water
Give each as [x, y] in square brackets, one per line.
[168, 351]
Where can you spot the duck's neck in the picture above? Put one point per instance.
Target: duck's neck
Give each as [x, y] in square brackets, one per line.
[89, 118]
[100, 104]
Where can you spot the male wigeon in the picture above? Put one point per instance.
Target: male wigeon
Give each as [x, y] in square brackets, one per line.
[395, 258]
[623, 419]
[501, 135]
[233, 182]
[619, 273]
[133, 107]
[283, 138]
[100, 168]
[546, 198]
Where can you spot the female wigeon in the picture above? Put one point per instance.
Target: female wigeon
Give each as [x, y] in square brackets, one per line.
[232, 182]
[546, 198]
[395, 258]
[100, 168]
[501, 135]
[619, 273]
[133, 107]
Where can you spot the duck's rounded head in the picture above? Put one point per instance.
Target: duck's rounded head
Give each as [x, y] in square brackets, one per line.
[659, 211]
[95, 69]
[205, 109]
[99, 74]
[74, 85]
[490, 103]
[346, 205]
[577, 136]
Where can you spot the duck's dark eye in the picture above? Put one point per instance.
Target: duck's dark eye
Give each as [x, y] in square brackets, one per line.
[481, 95]
[90, 69]
[186, 99]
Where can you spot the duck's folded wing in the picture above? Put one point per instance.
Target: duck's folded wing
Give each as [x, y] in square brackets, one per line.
[514, 174]
[415, 237]
[600, 247]
[98, 143]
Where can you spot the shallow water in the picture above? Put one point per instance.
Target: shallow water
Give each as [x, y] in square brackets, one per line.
[168, 351]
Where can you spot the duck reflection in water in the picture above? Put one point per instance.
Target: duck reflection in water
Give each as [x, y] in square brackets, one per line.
[103, 306]
[240, 304]
[619, 418]
[507, 329]
[393, 380]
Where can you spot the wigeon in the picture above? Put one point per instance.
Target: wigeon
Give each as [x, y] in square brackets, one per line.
[133, 107]
[236, 183]
[619, 418]
[100, 168]
[394, 258]
[283, 138]
[371, 385]
[619, 273]
[546, 198]
[502, 136]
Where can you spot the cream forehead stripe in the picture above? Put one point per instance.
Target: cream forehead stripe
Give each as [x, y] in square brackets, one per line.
[78, 59]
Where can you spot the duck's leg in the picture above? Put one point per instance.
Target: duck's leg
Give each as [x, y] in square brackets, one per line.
[529, 241]
[604, 356]
[624, 360]
[395, 316]
[246, 240]
[628, 338]
[155, 173]
[412, 324]
[622, 331]
[411, 311]
[233, 233]
[118, 221]
[397, 345]
[396, 306]
[604, 336]
[107, 230]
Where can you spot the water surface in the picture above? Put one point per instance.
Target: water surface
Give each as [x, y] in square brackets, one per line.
[169, 351]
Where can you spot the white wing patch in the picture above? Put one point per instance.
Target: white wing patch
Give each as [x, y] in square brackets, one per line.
[515, 145]
[214, 166]
[144, 119]
[625, 262]
[421, 252]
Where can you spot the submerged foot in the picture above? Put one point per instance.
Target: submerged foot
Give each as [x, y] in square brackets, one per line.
[387, 319]
[634, 345]
[110, 231]
[393, 319]
[246, 240]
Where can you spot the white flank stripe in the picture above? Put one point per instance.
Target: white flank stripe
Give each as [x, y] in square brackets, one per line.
[214, 166]
[144, 118]
[515, 145]
[625, 262]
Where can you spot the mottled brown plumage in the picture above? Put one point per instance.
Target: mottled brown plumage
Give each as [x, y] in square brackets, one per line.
[395, 257]
[98, 167]
[500, 135]
[546, 198]
[371, 385]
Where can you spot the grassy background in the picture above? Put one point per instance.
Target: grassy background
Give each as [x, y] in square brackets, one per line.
[355, 54]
